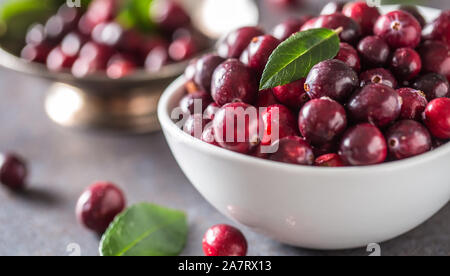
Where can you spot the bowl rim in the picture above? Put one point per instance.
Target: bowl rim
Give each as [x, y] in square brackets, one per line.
[174, 90]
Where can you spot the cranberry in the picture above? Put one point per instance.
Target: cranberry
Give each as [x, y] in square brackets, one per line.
[57, 60]
[83, 67]
[278, 118]
[374, 51]
[438, 143]
[283, 3]
[310, 24]
[414, 103]
[108, 33]
[35, 53]
[363, 145]
[208, 135]
[100, 53]
[292, 94]
[407, 139]
[147, 44]
[433, 85]
[87, 24]
[350, 56]
[414, 12]
[289, 27]
[235, 43]
[211, 110]
[35, 34]
[259, 153]
[204, 69]
[378, 76]
[120, 66]
[225, 241]
[325, 149]
[182, 49]
[437, 118]
[233, 81]
[436, 57]
[333, 7]
[72, 43]
[333, 79]
[195, 102]
[55, 28]
[351, 30]
[242, 135]
[293, 150]
[194, 125]
[266, 98]
[169, 15]
[377, 104]
[99, 205]
[439, 29]
[13, 171]
[322, 120]
[329, 160]
[156, 59]
[399, 29]
[70, 15]
[406, 64]
[258, 52]
[364, 15]
[102, 10]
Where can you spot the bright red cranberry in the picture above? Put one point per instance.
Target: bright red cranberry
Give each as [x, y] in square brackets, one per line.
[374, 51]
[350, 56]
[204, 69]
[322, 120]
[182, 49]
[414, 103]
[400, 29]
[364, 15]
[35, 53]
[436, 58]
[195, 102]
[258, 52]
[242, 135]
[433, 85]
[329, 160]
[378, 76]
[120, 66]
[292, 94]
[351, 30]
[208, 135]
[266, 98]
[437, 118]
[333, 7]
[377, 104]
[211, 110]
[408, 138]
[289, 27]
[233, 81]
[310, 24]
[439, 29]
[169, 15]
[333, 79]
[363, 145]
[35, 34]
[225, 241]
[13, 171]
[72, 43]
[279, 122]
[156, 59]
[293, 150]
[406, 64]
[57, 60]
[235, 43]
[194, 125]
[99, 205]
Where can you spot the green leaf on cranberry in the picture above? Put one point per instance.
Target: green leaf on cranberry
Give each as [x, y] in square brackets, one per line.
[295, 57]
[146, 230]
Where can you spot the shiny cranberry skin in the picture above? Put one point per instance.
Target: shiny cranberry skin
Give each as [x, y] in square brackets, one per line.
[94, 51]
[72, 43]
[437, 118]
[57, 60]
[400, 29]
[278, 118]
[350, 56]
[414, 12]
[233, 81]
[378, 76]
[266, 98]
[182, 49]
[351, 30]
[374, 51]
[333, 79]
[289, 27]
[108, 33]
[36, 53]
[293, 150]
[363, 145]
[99, 205]
[436, 58]
[322, 120]
[211, 110]
[194, 125]
[414, 103]
[408, 138]
[292, 94]
[333, 7]
[156, 59]
[406, 64]
[120, 66]
[433, 85]
[224, 241]
[13, 171]
[208, 135]
[204, 69]
[439, 29]
[377, 104]
[235, 43]
[258, 52]
[364, 15]
[195, 102]
[169, 15]
[329, 160]
[35, 34]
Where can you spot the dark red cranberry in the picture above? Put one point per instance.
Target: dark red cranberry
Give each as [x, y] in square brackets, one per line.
[208, 135]
[258, 52]
[13, 171]
[377, 104]
[148, 43]
[293, 150]
[292, 94]
[156, 59]
[378, 76]
[242, 135]
[169, 15]
[363, 145]
[195, 102]
[260, 153]
[439, 29]
[350, 56]
[438, 143]
[204, 69]
[194, 125]
[437, 118]
[57, 60]
[351, 30]
[414, 103]
[326, 148]
[266, 98]
[333, 7]
[436, 58]
[211, 111]
[235, 43]
[224, 241]
[364, 15]
[333, 79]
[400, 29]
[36, 53]
[120, 66]
[182, 49]
[233, 81]
[72, 43]
[99, 205]
[406, 64]
[289, 27]
[322, 120]
[414, 12]
[279, 122]
[374, 51]
[329, 160]
[35, 34]
[433, 85]
[408, 138]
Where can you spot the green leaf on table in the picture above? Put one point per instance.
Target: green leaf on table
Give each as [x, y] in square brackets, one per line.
[146, 230]
[294, 58]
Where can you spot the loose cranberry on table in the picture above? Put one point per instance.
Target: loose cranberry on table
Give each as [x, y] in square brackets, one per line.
[99, 205]
[364, 15]
[195, 102]
[333, 7]
[256, 55]
[437, 118]
[406, 64]
[414, 103]
[439, 29]
[378, 76]
[329, 160]
[374, 51]
[350, 56]
[433, 85]
[13, 171]
[292, 94]
[289, 27]
[279, 122]
[408, 138]
[235, 43]
[293, 150]
[225, 241]
[351, 30]
[195, 125]
[266, 98]
[435, 57]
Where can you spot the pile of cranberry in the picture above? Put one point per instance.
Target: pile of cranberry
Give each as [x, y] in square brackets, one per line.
[384, 97]
[94, 41]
